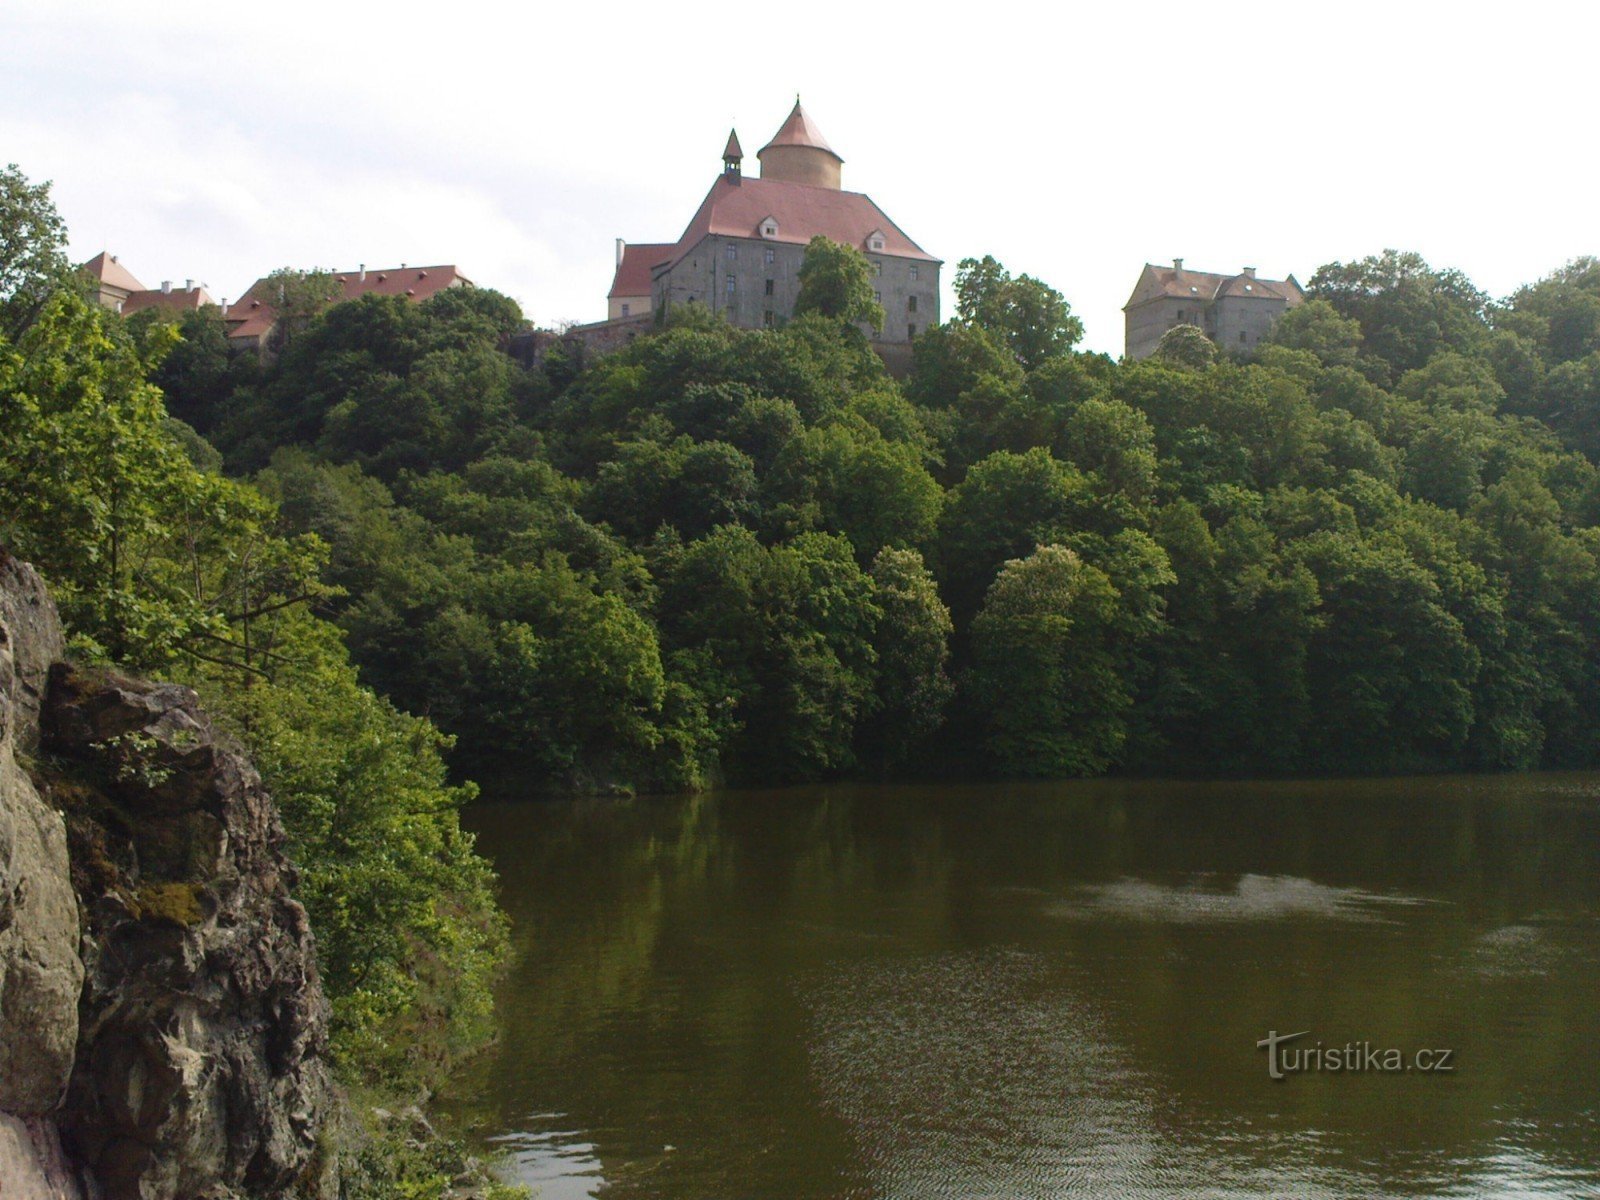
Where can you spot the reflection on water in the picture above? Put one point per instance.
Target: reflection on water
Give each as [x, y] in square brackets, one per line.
[1250, 898]
[1048, 991]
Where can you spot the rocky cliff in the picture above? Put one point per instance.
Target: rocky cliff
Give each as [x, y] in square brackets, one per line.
[162, 1028]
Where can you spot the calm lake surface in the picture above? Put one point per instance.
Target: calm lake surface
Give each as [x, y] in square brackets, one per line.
[1049, 991]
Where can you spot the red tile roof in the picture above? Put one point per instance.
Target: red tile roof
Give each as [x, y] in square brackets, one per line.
[177, 300]
[252, 314]
[799, 130]
[105, 267]
[1169, 282]
[633, 272]
[736, 209]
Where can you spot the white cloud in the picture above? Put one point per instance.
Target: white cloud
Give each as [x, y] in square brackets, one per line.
[1074, 143]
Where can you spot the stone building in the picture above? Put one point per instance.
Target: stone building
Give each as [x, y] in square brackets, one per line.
[741, 251]
[252, 318]
[116, 288]
[1234, 311]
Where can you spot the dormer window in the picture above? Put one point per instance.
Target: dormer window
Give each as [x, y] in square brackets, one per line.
[769, 227]
[875, 241]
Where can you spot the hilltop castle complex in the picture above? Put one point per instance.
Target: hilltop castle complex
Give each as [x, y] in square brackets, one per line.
[740, 255]
[741, 251]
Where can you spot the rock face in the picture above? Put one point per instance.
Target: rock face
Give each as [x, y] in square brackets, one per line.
[40, 972]
[161, 1016]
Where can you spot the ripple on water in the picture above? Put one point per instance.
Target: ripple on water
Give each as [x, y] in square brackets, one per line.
[1208, 899]
[978, 1075]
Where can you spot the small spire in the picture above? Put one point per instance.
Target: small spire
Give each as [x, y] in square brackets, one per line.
[732, 152]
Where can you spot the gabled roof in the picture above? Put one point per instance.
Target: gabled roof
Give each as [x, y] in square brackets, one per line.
[105, 267]
[633, 272]
[253, 314]
[799, 130]
[802, 212]
[177, 300]
[1173, 283]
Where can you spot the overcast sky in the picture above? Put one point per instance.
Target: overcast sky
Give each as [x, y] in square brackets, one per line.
[1073, 142]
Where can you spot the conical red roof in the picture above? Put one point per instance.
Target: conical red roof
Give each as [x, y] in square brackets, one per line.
[732, 150]
[799, 130]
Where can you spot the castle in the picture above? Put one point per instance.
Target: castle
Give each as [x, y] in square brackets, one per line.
[1234, 311]
[741, 251]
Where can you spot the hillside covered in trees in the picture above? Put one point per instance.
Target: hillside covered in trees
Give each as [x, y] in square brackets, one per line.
[754, 557]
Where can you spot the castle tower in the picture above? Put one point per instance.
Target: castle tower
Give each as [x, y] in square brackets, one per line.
[798, 153]
[732, 156]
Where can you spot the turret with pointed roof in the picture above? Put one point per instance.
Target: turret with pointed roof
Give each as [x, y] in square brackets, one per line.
[743, 249]
[798, 153]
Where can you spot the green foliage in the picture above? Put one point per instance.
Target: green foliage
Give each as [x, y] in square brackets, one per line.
[836, 282]
[1044, 676]
[161, 565]
[1407, 311]
[33, 258]
[1186, 346]
[779, 642]
[1371, 546]
[408, 935]
[1028, 316]
[913, 647]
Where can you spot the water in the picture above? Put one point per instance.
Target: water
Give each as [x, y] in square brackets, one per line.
[1049, 991]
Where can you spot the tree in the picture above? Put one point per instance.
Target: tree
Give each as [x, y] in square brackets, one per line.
[1031, 318]
[1407, 311]
[836, 282]
[298, 297]
[1007, 504]
[779, 643]
[33, 257]
[1186, 346]
[1316, 326]
[913, 646]
[1044, 676]
[150, 558]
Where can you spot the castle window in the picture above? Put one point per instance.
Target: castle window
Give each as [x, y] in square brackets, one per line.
[911, 304]
[772, 256]
[1242, 335]
[766, 318]
[911, 331]
[733, 250]
[914, 275]
[769, 287]
[877, 297]
[877, 267]
[730, 285]
[627, 309]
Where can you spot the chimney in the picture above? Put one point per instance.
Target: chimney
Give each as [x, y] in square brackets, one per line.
[361, 272]
[621, 246]
[166, 287]
[1177, 264]
[1249, 272]
[188, 285]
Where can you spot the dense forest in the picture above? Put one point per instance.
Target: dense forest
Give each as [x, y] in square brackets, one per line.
[395, 558]
[754, 557]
